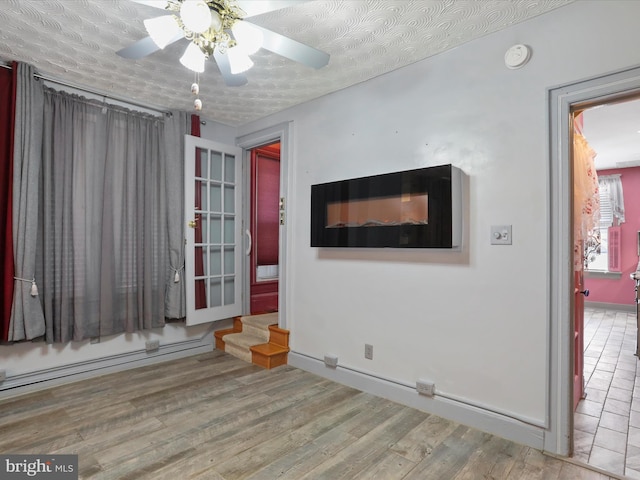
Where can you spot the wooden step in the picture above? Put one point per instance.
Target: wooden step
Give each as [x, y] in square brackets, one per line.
[256, 339]
[278, 335]
[269, 355]
[218, 334]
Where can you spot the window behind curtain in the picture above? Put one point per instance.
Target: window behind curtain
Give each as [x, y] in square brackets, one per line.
[103, 223]
[603, 247]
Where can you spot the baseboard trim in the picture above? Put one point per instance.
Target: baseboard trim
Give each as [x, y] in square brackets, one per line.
[470, 415]
[611, 306]
[51, 377]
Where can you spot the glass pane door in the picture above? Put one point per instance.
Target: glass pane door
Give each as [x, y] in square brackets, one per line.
[212, 190]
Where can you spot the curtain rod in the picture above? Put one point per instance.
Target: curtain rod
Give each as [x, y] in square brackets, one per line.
[103, 95]
[92, 92]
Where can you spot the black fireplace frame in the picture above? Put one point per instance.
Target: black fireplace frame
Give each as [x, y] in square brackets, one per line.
[442, 229]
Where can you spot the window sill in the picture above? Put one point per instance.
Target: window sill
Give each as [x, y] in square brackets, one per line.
[603, 274]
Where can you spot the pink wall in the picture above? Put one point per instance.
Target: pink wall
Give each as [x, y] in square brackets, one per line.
[621, 291]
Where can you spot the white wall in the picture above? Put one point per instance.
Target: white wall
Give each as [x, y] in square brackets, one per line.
[217, 132]
[476, 323]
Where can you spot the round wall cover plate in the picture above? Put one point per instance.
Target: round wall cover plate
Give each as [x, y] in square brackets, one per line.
[517, 56]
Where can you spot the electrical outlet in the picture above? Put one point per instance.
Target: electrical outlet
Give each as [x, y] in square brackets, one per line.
[152, 345]
[368, 351]
[425, 387]
[3, 375]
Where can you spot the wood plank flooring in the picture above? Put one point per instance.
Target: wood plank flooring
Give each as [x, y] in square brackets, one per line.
[215, 417]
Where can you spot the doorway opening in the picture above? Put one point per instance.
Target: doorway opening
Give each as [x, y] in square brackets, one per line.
[264, 227]
[280, 134]
[564, 100]
[606, 429]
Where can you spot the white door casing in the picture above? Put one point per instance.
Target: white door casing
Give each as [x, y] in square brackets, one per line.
[284, 134]
[562, 100]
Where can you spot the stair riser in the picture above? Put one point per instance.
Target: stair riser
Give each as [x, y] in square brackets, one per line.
[258, 332]
[242, 340]
[241, 353]
[278, 336]
[269, 361]
[219, 334]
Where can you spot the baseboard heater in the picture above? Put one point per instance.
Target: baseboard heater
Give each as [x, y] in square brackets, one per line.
[41, 379]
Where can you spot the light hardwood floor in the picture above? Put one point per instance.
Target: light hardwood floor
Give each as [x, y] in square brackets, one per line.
[215, 417]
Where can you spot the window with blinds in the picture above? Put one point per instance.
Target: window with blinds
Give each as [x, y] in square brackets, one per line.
[606, 208]
[606, 257]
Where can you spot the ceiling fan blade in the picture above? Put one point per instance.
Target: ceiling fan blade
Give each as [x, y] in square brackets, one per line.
[139, 49]
[229, 78]
[162, 4]
[144, 47]
[292, 49]
[257, 7]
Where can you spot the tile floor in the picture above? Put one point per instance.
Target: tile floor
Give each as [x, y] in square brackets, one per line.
[607, 421]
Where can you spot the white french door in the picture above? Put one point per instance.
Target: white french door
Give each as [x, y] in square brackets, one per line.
[213, 250]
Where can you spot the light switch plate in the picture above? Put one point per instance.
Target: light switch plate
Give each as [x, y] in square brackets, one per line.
[501, 235]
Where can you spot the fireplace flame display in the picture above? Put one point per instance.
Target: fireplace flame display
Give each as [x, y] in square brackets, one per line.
[405, 209]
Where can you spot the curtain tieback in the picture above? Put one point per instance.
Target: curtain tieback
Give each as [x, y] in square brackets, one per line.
[176, 275]
[34, 287]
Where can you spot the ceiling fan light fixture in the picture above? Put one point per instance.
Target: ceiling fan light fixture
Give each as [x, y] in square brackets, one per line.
[193, 58]
[162, 29]
[216, 21]
[239, 61]
[248, 37]
[195, 15]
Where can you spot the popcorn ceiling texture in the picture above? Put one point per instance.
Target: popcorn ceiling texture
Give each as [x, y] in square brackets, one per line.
[75, 41]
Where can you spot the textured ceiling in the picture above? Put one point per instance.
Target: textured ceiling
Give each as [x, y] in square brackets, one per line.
[76, 40]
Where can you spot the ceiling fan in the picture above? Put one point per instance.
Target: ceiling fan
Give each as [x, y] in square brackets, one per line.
[220, 29]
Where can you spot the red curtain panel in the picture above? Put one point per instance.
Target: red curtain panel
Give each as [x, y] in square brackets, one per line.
[201, 287]
[7, 115]
[195, 125]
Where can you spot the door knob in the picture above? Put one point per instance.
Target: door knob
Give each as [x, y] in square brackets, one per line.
[249, 242]
[585, 292]
[193, 223]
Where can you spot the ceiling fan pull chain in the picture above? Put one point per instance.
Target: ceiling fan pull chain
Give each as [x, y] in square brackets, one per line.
[195, 89]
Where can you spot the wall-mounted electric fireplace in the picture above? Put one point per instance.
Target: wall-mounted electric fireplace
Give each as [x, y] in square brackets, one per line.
[411, 209]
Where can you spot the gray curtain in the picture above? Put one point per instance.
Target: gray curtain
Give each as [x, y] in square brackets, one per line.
[176, 126]
[104, 219]
[27, 320]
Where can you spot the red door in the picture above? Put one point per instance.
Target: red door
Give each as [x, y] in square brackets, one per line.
[265, 228]
[578, 346]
